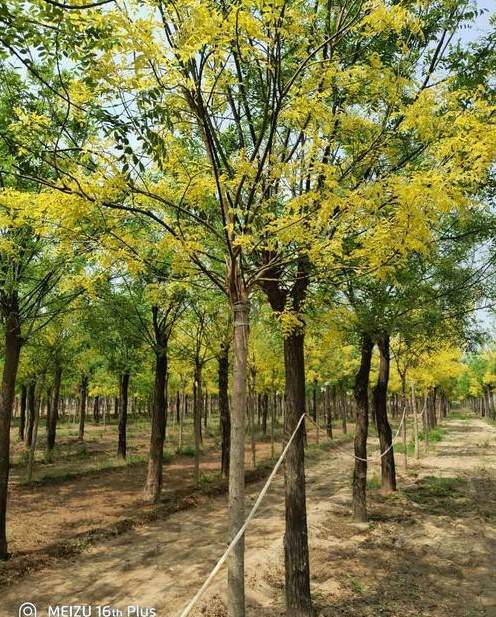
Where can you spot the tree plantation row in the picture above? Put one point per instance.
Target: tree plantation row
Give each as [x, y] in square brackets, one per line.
[242, 199]
[104, 391]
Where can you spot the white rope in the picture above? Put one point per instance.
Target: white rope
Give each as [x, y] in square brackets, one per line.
[314, 423]
[242, 529]
[393, 441]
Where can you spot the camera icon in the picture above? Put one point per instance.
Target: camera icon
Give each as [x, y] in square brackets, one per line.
[28, 609]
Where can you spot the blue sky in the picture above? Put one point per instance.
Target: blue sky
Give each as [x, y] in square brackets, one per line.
[482, 24]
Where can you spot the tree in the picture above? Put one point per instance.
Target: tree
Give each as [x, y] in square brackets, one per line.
[256, 149]
[117, 329]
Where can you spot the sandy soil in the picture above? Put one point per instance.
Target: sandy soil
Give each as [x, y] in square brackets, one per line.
[429, 550]
[54, 512]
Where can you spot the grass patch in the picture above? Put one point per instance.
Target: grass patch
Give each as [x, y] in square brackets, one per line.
[186, 451]
[458, 415]
[83, 452]
[137, 459]
[107, 464]
[399, 448]
[314, 450]
[433, 436]
[373, 482]
[356, 586]
[208, 479]
[168, 456]
[440, 496]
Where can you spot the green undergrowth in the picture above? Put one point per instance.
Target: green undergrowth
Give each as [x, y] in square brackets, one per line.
[458, 415]
[107, 464]
[313, 450]
[373, 482]
[186, 451]
[433, 436]
[399, 448]
[439, 496]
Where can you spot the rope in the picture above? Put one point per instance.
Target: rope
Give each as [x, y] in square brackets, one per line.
[370, 460]
[243, 528]
[314, 423]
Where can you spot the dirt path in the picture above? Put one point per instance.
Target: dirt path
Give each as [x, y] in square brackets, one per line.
[429, 550]
[54, 512]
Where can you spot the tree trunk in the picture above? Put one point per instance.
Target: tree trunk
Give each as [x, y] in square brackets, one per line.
[32, 449]
[49, 393]
[54, 409]
[22, 415]
[181, 422]
[404, 404]
[123, 403]
[153, 484]
[434, 406]
[328, 412]
[344, 411]
[12, 350]
[96, 410]
[361, 392]
[296, 556]
[265, 411]
[225, 420]
[252, 398]
[314, 401]
[31, 413]
[82, 405]
[205, 412]
[415, 423]
[388, 472]
[273, 426]
[236, 566]
[197, 418]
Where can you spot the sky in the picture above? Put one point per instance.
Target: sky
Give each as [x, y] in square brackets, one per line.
[482, 24]
[486, 317]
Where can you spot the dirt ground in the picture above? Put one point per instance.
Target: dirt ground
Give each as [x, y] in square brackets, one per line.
[75, 494]
[429, 550]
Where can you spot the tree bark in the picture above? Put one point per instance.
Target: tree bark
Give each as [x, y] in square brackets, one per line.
[328, 412]
[197, 418]
[96, 410]
[314, 401]
[153, 484]
[265, 411]
[296, 555]
[225, 420]
[123, 403]
[82, 405]
[344, 410]
[252, 399]
[388, 472]
[12, 350]
[236, 566]
[404, 404]
[49, 392]
[54, 409]
[32, 449]
[361, 393]
[22, 415]
[31, 413]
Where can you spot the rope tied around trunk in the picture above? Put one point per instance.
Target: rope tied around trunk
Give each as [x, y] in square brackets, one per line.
[393, 441]
[187, 610]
